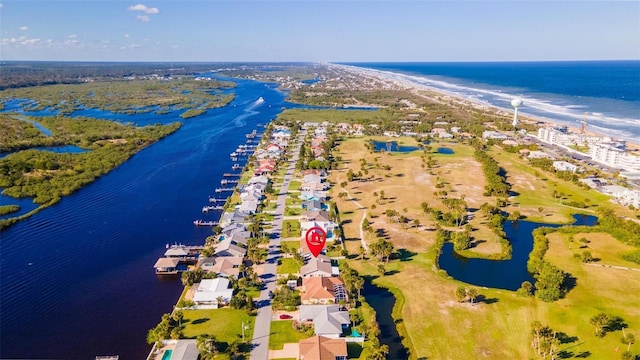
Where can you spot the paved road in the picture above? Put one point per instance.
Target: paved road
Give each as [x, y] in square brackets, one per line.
[260, 342]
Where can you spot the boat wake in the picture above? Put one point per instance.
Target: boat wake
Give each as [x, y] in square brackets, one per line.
[239, 120]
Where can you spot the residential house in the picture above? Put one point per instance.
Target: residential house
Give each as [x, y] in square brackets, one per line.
[167, 265]
[210, 291]
[327, 320]
[323, 290]
[313, 195]
[224, 266]
[232, 217]
[227, 248]
[316, 268]
[185, 349]
[565, 166]
[313, 205]
[322, 348]
[319, 219]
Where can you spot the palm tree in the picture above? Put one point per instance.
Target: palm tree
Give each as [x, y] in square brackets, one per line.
[207, 345]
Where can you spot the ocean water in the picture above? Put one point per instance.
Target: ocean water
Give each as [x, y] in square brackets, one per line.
[608, 91]
[77, 279]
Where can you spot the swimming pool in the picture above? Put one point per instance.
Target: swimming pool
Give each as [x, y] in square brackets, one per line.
[167, 354]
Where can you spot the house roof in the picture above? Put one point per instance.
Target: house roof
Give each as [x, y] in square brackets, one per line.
[227, 246]
[316, 215]
[166, 263]
[312, 204]
[223, 265]
[322, 348]
[315, 265]
[185, 350]
[176, 251]
[321, 288]
[210, 289]
[327, 319]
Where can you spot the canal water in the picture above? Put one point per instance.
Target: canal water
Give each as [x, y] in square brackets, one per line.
[77, 279]
[501, 274]
[382, 300]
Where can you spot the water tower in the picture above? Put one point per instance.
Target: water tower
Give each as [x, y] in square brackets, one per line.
[516, 103]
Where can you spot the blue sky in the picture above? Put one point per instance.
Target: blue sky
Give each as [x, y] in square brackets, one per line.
[302, 30]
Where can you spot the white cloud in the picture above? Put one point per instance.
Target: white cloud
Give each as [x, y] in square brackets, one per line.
[1, 6]
[144, 8]
[24, 28]
[143, 18]
[126, 36]
[72, 36]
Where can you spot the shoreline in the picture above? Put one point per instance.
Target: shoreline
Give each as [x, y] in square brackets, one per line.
[415, 87]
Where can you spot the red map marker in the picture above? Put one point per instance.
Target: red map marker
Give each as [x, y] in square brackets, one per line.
[316, 238]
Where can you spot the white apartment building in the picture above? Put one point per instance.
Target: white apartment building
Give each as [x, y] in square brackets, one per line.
[630, 198]
[615, 157]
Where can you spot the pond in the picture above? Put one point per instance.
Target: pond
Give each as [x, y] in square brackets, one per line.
[445, 151]
[501, 274]
[392, 146]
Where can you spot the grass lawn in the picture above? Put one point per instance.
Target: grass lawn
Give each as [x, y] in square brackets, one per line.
[282, 332]
[293, 199]
[225, 323]
[290, 228]
[288, 266]
[295, 185]
[292, 211]
[291, 244]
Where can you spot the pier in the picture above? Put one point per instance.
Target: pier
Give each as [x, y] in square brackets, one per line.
[225, 181]
[213, 200]
[236, 167]
[209, 208]
[231, 175]
[205, 223]
[219, 190]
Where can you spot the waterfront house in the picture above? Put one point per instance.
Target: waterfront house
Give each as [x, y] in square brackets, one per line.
[167, 265]
[211, 291]
[185, 350]
[232, 217]
[323, 290]
[227, 248]
[224, 266]
[327, 320]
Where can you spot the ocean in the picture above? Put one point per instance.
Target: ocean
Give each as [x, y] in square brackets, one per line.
[558, 91]
[77, 279]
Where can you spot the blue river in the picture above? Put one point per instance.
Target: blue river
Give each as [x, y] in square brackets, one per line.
[77, 279]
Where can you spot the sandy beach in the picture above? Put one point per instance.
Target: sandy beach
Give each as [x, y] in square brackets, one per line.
[418, 89]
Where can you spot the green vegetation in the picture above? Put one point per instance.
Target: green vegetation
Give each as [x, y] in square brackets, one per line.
[290, 228]
[289, 266]
[284, 331]
[225, 324]
[126, 96]
[8, 209]
[48, 176]
[633, 256]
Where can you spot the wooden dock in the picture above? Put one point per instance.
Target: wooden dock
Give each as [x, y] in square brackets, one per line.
[205, 223]
[213, 200]
[225, 181]
[219, 190]
[231, 175]
[210, 208]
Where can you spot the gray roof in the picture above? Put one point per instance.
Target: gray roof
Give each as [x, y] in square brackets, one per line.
[327, 319]
[185, 350]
